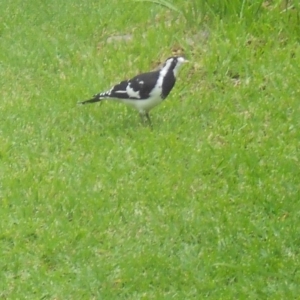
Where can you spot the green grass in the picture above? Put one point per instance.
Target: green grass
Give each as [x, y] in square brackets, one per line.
[96, 206]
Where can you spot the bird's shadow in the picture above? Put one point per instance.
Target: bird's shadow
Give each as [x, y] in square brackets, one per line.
[118, 121]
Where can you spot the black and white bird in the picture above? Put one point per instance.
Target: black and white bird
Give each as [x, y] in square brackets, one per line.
[145, 91]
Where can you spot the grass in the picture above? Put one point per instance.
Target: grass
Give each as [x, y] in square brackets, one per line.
[96, 206]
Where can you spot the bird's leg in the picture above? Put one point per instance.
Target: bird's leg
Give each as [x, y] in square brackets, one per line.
[143, 115]
[148, 119]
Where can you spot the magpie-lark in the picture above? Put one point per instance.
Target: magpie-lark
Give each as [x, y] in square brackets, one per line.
[144, 91]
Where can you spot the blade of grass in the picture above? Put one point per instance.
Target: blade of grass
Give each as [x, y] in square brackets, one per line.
[162, 3]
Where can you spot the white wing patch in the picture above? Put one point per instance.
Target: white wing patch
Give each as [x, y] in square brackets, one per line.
[131, 93]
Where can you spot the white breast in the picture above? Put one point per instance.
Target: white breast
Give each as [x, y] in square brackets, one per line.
[143, 105]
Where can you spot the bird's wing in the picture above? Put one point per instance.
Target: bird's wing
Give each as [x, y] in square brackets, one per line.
[119, 90]
[139, 87]
[142, 85]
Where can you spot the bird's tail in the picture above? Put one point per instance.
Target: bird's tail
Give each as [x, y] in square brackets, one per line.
[93, 100]
[96, 98]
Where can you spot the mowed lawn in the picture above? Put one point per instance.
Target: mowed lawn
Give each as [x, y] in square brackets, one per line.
[94, 205]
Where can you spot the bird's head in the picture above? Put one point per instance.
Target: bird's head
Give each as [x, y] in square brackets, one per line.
[174, 63]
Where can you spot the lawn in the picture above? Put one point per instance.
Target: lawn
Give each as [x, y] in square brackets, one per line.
[94, 205]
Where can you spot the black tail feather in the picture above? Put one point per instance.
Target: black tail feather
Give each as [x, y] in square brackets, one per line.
[93, 100]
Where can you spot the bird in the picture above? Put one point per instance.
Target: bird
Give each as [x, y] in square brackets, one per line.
[146, 90]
